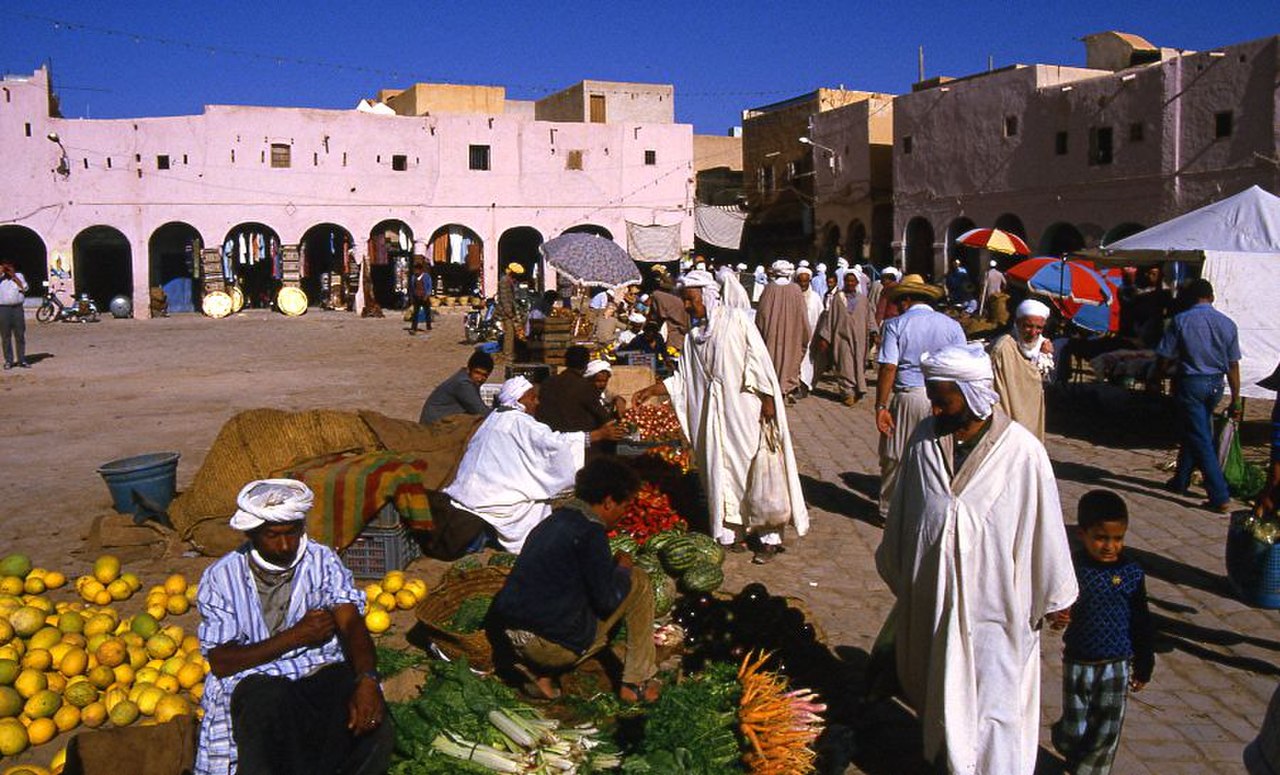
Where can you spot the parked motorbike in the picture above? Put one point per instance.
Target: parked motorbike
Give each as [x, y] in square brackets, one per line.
[481, 323]
[82, 310]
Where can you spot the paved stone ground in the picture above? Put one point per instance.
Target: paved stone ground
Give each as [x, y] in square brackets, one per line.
[126, 387]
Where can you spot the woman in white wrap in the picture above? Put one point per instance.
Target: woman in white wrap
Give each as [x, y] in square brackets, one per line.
[975, 552]
[725, 386]
[514, 465]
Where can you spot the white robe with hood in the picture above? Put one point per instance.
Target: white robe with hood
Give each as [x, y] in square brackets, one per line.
[512, 468]
[976, 560]
[725, 368]
[813, 308]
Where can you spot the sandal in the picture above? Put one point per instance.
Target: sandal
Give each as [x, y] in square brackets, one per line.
[646, 691]
[765, 554]
[737, 547]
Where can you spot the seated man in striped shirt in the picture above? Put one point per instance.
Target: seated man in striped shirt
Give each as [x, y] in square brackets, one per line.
[294, 683]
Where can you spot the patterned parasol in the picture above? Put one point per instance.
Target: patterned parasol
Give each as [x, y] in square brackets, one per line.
[591, 260]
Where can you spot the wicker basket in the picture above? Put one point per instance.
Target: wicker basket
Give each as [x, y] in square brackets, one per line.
[443, 602]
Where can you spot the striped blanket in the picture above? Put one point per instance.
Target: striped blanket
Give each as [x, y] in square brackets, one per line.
[352, 487]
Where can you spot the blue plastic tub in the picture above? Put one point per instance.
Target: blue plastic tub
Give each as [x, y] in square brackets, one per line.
[148, 481]
[1253, 567]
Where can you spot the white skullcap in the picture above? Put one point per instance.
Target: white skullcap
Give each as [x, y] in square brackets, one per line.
[512, 389]
[993, 263]
[889, 271]
[644, 297]
[271, 500]
[636, 317]
[595, 367]
[822, 267]
[804, 270]
[969, 366]
[1032, 309]
[742, 267]
[782, 268]
[759, 268]
[699, 278]
[842, 262]
[803, 262]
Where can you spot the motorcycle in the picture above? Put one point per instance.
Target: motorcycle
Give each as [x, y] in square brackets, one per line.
[53, 308]
[481, 323]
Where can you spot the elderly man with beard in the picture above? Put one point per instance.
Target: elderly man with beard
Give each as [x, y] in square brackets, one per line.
[514, 465]
[1023, 361]
[723, 394]
[975, 553]
[843, 335]
[784, 324]
[293, 684]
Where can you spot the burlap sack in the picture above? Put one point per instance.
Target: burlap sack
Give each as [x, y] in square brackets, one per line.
[163, 749]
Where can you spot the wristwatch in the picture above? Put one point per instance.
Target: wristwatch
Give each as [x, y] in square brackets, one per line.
[879, 407]
[371, 674]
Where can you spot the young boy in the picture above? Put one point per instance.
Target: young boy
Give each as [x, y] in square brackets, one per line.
[1107, 640]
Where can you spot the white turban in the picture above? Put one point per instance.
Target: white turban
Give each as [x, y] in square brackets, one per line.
[512, 389]
[1032, 309]
[804, 270]
[699, 278]
[742, 267]
[595, 367]
[889, 271]
[993, 263]
[822, 268]
[803, 263]
[782, 268]
[636, 317]
[271, 500]
[644, 297]
[969, 366]
[842, 262]
[710, 291]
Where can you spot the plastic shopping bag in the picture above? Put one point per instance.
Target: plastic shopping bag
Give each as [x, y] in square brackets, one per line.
[768, 500]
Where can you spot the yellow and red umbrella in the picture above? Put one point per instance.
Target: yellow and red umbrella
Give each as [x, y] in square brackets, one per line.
[995, 240]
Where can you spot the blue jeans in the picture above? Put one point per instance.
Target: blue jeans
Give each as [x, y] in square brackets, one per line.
[1197, 397]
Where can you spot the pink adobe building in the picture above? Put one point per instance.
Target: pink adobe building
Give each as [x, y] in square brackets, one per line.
[111, 207]
[1073, 157]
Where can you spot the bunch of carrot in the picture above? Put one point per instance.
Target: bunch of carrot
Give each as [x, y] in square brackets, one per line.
[780, 725]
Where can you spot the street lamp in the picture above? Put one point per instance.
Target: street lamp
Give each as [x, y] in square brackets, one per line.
[64, 164]
[831, 154]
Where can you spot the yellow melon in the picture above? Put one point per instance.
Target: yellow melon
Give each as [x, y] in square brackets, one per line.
[10, 702]
[53, 579]
[26, 621]
[124, 713]
[124, 674]
[93, 714]
[80, 694]
[132, 580]
[13, 737]
[11, 585]
[190, 674]
[177, 605]
[377, 620]
[9, 669]
[144, 625]
[74, 662]
[37, 659]
[6, 630]
[34, 585]
[161, 646]
[170, 706]
[29, 682]
[111, 652]
[67, 718]
[42, 704]
[106, 569]
[101, 676]
[168, 683]
[147, 699]
[119, 590]
[175, 584]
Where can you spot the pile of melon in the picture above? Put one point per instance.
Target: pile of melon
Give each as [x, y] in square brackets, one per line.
[81, 662]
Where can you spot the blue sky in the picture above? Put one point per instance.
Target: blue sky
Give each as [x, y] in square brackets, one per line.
[125, 59]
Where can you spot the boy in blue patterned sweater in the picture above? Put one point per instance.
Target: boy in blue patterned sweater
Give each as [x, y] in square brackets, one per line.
[1107, 641]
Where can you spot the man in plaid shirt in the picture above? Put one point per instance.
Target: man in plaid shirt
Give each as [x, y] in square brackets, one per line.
[294, 684]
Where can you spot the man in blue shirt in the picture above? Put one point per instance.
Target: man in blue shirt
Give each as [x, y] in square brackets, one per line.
[917, 329]
[1205, 345]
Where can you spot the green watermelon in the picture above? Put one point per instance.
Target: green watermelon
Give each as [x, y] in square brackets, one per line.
[708, 548]
[656, 542]
[664, 593]
[702, 577]
[623, 542]
[650, 563]
[679, 555]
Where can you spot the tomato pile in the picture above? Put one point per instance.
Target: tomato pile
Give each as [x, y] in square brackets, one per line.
[654, 422]
[676, 455]
[650, 513]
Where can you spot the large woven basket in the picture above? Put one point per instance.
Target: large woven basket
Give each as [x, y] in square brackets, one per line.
[443, 602]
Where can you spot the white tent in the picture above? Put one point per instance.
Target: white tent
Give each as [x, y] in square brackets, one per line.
[1238, 241]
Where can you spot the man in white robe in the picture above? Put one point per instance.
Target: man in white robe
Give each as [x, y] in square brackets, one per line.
[976, 555]
[514, 465]
[809, 372]
[732, 294]
[725, 386]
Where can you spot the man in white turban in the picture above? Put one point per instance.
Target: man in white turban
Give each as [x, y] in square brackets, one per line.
[784, 325]
[976, 555]
[725, 393]
[759, 280]
[842, 338]
[1022, 361]
[514, 465]
[282, 625]
[635, 324]
[809, 368]
[732, 294]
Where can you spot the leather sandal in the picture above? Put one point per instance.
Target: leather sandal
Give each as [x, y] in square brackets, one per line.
[646, 691]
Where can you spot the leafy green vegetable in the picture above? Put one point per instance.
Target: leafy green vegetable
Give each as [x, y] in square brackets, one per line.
[690, 729]
[470, 614]
[392, 661]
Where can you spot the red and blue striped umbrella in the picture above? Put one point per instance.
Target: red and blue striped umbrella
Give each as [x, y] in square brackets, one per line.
[1099, 318]
[1059, 278]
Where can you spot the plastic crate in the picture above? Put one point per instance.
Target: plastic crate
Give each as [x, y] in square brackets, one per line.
[534, 372]
[387, 517]
[378, 550]
[489, 393]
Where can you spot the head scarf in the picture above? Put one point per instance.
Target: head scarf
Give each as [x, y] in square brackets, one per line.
[710, 295]
[804, 270]
[822, 268]
[742, 267]
[842, 262]
[782, 269]
[803, 262]
[969, 366]
[1032, 309]
[595, 367]
[271, 500]
[889, 272]
[1031, 350]
[512, 390]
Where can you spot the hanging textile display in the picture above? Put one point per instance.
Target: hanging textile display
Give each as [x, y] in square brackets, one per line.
[719, 225]
[653, 244]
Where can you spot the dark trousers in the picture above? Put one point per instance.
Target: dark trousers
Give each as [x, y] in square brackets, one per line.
[284, 727]
[13, 333]
[419, 305]
[1197, 398]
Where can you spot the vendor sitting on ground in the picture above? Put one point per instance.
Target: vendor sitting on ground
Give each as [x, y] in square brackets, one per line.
[293, 684]
[514, 465]
[569, 401]
[460, 393]
[567, 591]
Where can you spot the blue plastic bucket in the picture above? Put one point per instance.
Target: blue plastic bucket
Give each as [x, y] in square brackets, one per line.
[151, 479]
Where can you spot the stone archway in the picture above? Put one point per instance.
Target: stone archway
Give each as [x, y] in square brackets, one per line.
[831, 245]
[1012, 224]
[29, 255]
[519, 245]
[103, 260]
[457, 252]
[1120, 231]
[173, 253]
[918, 247]
[1061, 238]
[325, 249]
[251, 260]
[856, 247]
[589, 228]
[390, 252]
[968, 257]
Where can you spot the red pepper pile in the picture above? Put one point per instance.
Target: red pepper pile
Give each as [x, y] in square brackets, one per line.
[655, 422]
[650, 513]
[676, 455]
